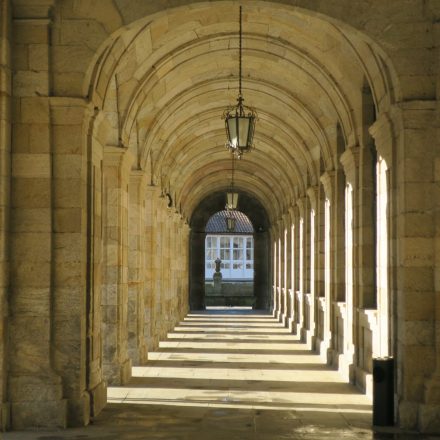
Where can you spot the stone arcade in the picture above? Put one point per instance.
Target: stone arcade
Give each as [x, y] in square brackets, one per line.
[112, 160]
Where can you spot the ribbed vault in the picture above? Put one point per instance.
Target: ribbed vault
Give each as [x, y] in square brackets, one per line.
[164, 81]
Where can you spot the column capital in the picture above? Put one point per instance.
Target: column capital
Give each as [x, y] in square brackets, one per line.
[328, 180]
[301, 202]
[350, 162]
[312, 192]
[138, 179]
[286, 218]
[382, 132]
[115, 156]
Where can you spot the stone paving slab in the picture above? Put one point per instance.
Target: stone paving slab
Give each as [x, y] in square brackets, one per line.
[202, 385]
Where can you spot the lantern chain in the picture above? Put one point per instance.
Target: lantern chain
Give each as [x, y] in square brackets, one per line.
[240, 54]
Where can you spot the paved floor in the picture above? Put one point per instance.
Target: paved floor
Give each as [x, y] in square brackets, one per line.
[228, 375]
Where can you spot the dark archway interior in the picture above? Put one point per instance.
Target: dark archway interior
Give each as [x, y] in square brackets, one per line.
[259, 218]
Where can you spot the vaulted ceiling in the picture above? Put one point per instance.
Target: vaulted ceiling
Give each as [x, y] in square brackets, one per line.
[165, 81]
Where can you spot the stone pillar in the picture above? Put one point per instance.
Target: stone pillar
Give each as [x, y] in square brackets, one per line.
[262, 260]
[297, 269]
[76, 260]
[151, 194]
[275, 266]
[166, 273]
[304, 261]
[96, 385]
[416, 296]
[116, 363]
[314, 196]
[175, 260]
[350, 162]
[330, 242]
[287, 270]
[292, 267]
[5, 187]
[383, 133]
[338, 236]
[137, 347]
[367, 228]
[197, 261]
[184, 268]
[35, 390]
[281, 270]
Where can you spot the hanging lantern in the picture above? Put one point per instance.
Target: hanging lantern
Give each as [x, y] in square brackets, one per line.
[240, 120]
[231, 200]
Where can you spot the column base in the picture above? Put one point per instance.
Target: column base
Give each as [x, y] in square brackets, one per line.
[408, 415]
[5, 416]
[118, 374]
[364, 381]
[429, 412]
[429, 418]
[98, 398]
[37, 402]
[323, 347]
[79, 411]
[49, 414]
[126, 372]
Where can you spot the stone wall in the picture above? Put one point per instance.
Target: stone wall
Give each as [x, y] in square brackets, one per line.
[5, 166]
[359, 325]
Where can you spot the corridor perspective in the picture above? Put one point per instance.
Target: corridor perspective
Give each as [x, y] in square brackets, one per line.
[229, 374]
[165, 161]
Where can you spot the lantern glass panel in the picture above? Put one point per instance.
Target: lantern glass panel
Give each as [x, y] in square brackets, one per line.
[232, 200]
[232, 131]
[243, 131]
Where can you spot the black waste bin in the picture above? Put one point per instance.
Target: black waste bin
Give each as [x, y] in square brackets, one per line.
[383, 391]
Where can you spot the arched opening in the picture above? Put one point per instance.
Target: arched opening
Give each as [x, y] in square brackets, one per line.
[229, 260]
[138, 114]
[230, 246]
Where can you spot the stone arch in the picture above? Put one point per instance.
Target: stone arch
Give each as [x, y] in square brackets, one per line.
[150, 47]
[256, 213]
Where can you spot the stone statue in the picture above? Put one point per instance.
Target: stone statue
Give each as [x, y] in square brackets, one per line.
[217, 276]
[217, 264]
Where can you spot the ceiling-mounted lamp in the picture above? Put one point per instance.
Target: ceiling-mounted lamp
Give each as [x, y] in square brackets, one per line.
[231, 195]
[240, 120]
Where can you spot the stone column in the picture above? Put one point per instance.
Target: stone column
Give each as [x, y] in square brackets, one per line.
[186, 232]
[116, 363]
[96, 384]
[292, 268]
[287, 270]
[383, 133]
[151, 194]
[415, 296]
[297, 270]
[137, 347]
[330, 239]
[76, 261]
[304, 261]
[314, 195]
[281, 269]
[274, 241]
[350, 162]
[5, 187]
[35, 390]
